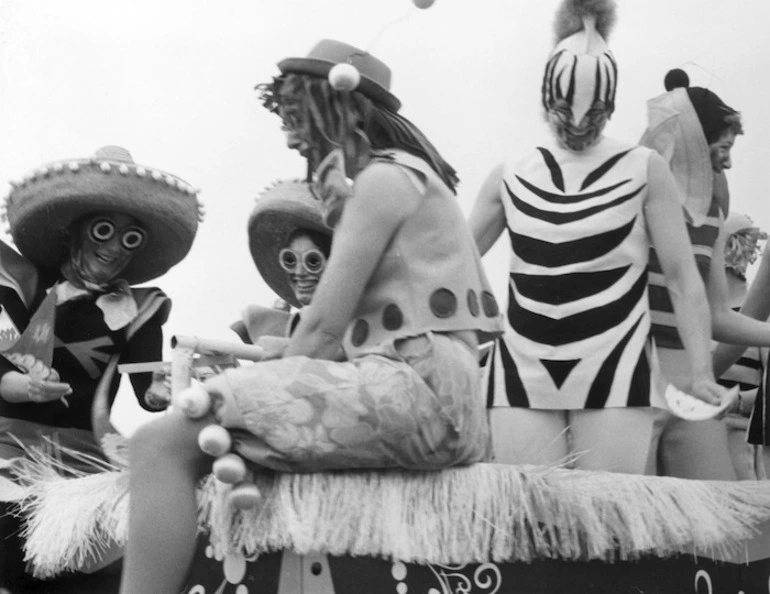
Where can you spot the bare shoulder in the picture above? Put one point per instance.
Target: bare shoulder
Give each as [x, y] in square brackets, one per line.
[389, 185]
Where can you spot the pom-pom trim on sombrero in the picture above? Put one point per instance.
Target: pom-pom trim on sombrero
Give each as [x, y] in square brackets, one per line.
[42, 207]
[280, 210]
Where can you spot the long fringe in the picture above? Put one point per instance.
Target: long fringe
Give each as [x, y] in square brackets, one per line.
[490, 512]
[480, 513]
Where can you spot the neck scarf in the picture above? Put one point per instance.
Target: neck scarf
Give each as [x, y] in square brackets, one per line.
[116, 301]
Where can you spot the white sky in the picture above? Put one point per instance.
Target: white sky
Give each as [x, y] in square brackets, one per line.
[172, 81]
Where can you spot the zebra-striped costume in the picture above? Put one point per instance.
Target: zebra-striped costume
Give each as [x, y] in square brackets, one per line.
[578, 318]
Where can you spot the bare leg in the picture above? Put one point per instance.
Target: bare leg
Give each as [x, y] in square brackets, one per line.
[526, 436]
[612, 439]
[697, 450]
[166, 464]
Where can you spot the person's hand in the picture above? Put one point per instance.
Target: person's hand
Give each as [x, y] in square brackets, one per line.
[274, 346]
[35, 383]
[45, 390]
[158, 395]
[18, 387]
[709, 391]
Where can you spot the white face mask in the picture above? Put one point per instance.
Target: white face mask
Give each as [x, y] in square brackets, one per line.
[573, 133]
[580, 74]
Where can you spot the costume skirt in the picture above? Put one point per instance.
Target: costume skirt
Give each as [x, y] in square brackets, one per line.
[415, 403]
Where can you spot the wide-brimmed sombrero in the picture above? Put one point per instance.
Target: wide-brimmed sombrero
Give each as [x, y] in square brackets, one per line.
[43, 205]
[327, 53]
[281, 209]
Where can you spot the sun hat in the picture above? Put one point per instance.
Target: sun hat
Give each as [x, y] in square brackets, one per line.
[281, 209]
[42, 207]
[327, 53]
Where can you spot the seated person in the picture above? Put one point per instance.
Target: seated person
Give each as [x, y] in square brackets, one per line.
[290, 245]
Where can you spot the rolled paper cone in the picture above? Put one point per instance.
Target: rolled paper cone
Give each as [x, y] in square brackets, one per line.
[247, 352]
[229, 469]
[215, 440]
[245, 496]
[194, 401]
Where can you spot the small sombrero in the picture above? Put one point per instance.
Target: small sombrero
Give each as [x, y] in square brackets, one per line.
[280, 210]
[42, 207]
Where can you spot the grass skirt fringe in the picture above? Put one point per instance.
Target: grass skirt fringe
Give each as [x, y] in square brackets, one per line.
[479, 513]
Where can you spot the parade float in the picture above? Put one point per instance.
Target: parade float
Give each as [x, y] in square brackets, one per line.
[483, 528]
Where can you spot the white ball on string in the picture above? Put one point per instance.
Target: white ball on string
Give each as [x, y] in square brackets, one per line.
[344, 77]
[214, 440]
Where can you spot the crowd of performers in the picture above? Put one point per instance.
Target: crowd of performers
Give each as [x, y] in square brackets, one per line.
[625, 263]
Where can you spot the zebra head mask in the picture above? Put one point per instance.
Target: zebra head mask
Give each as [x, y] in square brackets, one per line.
[580, 79]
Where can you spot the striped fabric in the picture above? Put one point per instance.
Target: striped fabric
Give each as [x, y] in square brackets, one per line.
[577, 331]
[702, 239]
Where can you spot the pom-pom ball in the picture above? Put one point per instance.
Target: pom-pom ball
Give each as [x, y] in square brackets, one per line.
[230, 469]
[423, 4]
[675, 79]
[194, 401]
[245, 496]
[344, 77]
[215, 440]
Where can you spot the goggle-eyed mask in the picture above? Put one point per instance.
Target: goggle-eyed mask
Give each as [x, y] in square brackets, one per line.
[102, 230]
[313, 260]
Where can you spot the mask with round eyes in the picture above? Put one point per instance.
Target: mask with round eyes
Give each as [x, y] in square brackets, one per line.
[303, 263]
[103, 230]
[312, 260]
[107, 244]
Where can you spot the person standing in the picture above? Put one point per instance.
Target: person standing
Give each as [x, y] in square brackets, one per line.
[572, 380]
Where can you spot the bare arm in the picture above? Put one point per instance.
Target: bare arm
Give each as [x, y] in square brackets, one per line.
[730, 326]
[756, 305]
[383, 198]
[667, 229]
[487, 219]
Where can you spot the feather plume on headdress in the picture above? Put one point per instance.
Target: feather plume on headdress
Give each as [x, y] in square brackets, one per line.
[569, 17]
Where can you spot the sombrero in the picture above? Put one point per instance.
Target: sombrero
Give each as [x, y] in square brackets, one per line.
[42, 207]
[327, 53]
[280, 210]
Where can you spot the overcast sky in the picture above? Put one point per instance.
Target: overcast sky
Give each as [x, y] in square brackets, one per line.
[172, 81]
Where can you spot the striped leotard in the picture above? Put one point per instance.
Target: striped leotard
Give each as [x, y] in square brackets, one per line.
[578, 316]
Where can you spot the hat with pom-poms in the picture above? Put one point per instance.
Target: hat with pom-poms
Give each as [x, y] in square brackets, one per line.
[675, 131]
[713, 113]
[44, 204]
